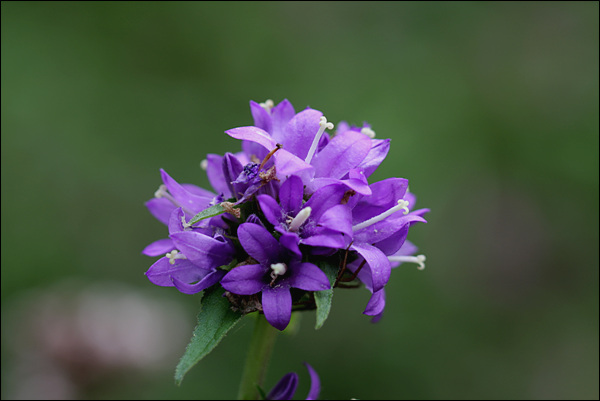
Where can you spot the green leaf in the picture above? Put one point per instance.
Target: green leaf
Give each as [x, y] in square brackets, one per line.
[323, 298]
[215, 319]
[206, 213]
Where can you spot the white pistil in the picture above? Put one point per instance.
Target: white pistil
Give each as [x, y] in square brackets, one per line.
[204, 164]
[174, 254]
[267, 105]
[315, 143]
[277, 269]
[402, 205]
[368, 132]
[300, 218]
[419, 259]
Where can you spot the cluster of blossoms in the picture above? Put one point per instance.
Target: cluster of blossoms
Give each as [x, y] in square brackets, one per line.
[295, 198]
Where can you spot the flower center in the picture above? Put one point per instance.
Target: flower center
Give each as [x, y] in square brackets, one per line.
[251, 170]
[174, 254]
[402, 205]
[368, 132]
[315, 143]
[419, 259]
[277, 269]
[300, 218]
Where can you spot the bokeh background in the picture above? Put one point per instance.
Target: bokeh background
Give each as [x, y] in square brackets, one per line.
[493, 113]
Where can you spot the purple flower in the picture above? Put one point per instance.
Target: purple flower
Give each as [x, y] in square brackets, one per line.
[192, 257]
[323, 221]
[381, 227]
[286, 387]
[277, 271]
[171, 195]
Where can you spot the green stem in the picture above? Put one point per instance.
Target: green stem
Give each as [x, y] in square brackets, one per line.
[257, 360]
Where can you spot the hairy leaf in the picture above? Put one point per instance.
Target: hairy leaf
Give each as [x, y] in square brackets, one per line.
[323, 298]
[208, 212]
[215, 319]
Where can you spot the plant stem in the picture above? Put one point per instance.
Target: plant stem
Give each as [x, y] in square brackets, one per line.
[257, 360]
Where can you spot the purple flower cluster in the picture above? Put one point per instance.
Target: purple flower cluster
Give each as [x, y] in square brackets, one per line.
[294, 198]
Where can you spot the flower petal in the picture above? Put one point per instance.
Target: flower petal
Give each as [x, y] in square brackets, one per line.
[270, 209]
[259, 243]
[308, 277]
[378, 263]
[175, 221]
[196, 190]
[315, 383]
[378, 152]
[385, 195]
[202, 250]
[394, 242]
[232, 168]
[357, 180]
[245, 279]
[288, 164]
[290, 195]
[331, 239]
[186, 199]
[159, 247]
[162, 272]
[209, 280]
[214, 172]
[324, 199]
[262, 118]
[290, 241]
[161, 209]
[280, 116]
[300, 132]
[337, 218]
[253, 134]
[277, 305]
[376, 303]
[285, 388]
[343, 153]
[386, 228]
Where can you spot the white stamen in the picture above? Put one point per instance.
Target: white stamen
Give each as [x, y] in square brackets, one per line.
[174, 254]
[419, 259]
[278, 269]
[204, 164]
[184, 223]
[300, 218]
[402, 205]
[368, 132]
[315, 143]
[162, 192]
[267, 105]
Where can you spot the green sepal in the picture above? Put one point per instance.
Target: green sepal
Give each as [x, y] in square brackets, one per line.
[215, 319]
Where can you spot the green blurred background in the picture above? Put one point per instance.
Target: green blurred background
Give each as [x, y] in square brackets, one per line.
[493, 113]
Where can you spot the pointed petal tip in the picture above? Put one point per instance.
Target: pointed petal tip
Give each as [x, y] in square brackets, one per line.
[315, 383]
